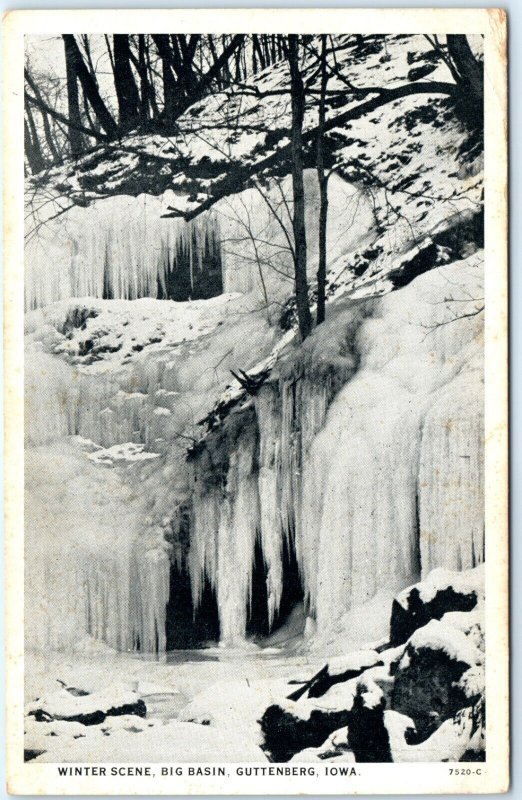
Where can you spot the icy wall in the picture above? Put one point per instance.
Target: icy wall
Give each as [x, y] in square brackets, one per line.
[364, 448]
[114, 390]
[376, 487]
[121, 248]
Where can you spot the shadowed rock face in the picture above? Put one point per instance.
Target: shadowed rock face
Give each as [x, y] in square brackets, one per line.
[405, 621]
[426, 689]
[367, 733]
[286, 734]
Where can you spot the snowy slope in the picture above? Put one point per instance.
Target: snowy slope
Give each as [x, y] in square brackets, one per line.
[412, 167]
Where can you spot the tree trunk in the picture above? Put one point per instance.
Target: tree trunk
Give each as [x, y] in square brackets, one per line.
[33, 151]
[469, 69]
[126, 89]
[51, 144]
[323, 190]
[469, 75]
[144, 84]
[298, 108]
[75, 137]
[169, 83]
[89, 86]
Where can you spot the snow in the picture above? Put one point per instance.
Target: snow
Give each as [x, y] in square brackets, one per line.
[121, 452]
[230, 692]
[449, 742]
[466, 582]
[62, 704]
[336, 746]
[358, 660]
[438, 635]
[473, 682]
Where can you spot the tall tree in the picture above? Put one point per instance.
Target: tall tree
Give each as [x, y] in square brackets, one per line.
[144, 83]
[169, 83]
[33, 150]
[73, 103]
[125, 85]
[298, 108]
[89, 86]
[468, 72]
[323, 189]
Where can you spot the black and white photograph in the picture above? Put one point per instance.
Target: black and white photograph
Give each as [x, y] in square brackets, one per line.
[256, 286]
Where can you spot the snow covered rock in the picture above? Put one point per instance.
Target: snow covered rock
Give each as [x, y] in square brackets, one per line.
[288, 730]
[460, 738]
[428, 684]
[336, 746]
[87, 709]
[440, 592]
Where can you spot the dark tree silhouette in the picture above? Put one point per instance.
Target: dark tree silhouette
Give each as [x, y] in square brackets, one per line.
[298, 107]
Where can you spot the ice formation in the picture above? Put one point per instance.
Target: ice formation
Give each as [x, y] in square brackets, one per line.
[119, 248]
[105, 471]
[363, 452]
[367, 486]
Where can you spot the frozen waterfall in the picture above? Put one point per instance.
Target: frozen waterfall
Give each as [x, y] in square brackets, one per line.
[376, 480]
[362, 454]
[120, 248]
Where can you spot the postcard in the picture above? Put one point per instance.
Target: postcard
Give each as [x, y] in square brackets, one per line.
[256, 401]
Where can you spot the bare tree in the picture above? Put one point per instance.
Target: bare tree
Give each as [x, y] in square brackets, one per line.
[298, 108]
[323, 189]
[89, 86]
[125, 85]
[73, 104]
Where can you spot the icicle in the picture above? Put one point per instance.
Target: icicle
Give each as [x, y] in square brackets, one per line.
[92, 569]
[225, 524]
[269, 490]
[117, 248]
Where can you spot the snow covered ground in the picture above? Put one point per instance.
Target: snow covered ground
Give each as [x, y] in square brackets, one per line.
[224, 696]
[216, 705]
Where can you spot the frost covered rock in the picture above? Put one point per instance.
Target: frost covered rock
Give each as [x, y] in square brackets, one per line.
[440, 592]
[428, 684]
[87, 709]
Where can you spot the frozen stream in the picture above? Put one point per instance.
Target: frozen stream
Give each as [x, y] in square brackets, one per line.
[225, 692]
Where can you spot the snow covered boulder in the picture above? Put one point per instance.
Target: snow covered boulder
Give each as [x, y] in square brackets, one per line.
[442, 591]
[429, 686]
[336, 746]
[460, 738]
[87, 709]
[289, 728]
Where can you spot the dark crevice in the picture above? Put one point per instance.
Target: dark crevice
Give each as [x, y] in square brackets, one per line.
[188, 628]
[292, 594]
